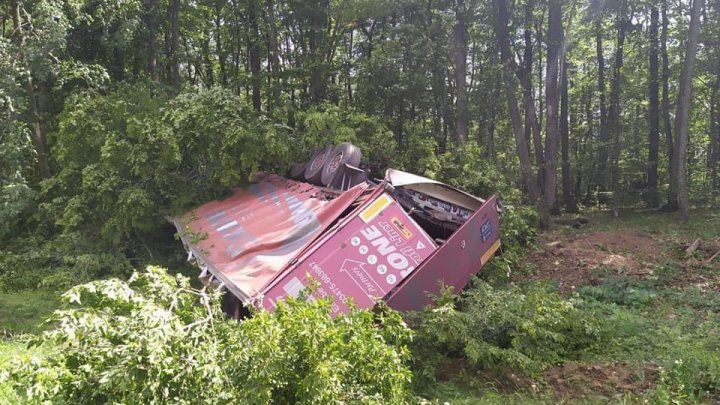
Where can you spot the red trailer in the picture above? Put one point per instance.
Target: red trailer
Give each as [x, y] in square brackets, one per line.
[397, 239]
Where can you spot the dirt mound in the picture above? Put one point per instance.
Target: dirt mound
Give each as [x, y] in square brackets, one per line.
[574, 381]
[571, 259]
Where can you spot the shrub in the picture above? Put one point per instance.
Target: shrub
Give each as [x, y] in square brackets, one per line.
[155, 339]
[525, 330]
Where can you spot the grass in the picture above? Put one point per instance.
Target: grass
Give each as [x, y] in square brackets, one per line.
[23, 312]
[663, 320]
[21, 316]
[703, 223]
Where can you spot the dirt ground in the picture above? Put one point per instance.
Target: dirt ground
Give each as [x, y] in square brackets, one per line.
[575, 381]
[574, 260]
[571, 381]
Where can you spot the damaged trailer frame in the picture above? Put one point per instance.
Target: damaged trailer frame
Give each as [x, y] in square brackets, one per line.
[399, 240]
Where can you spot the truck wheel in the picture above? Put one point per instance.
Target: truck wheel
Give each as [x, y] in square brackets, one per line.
[345, 153]
[297, 171]
[314, 167]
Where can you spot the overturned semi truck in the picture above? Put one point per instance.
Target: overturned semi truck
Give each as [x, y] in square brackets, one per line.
[398, 239]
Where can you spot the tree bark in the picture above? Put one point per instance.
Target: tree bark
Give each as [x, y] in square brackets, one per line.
[219, 49]
[525, 74]
[651, 199]
[568, 198]
[603, 139]
[682, 115]
[174, 41]
[38, 135]
[667, 126]
[460, 34]
[614, 124]
[521, 146]
[254, 48]
[319, 21]
[151, 42]
[554, 43]
[275, 66]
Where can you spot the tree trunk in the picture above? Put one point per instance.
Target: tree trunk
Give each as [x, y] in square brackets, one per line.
[151, 24]
[318, 81]
[614, 124]
[603, 139]
[521, 147]
[651, 198]
[554, 42]
[254, 47]
[667, 126]
[460, 34]
[174, 41]
[714, 157]
[568, 199]
[275, 67]
[38, 135]
[221, 54]
[525, 73]
[682, 114]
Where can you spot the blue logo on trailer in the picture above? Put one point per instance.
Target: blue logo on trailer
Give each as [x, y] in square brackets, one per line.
[486, 230]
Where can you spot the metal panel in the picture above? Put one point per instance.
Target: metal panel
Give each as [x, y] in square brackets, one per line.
[248, 239]
[372, 251]
[462, 256]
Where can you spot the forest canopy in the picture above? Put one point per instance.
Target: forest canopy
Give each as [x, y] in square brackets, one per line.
[115, 115]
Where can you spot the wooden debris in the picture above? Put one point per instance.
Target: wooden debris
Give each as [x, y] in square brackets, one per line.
[708, 261]
[692, 248]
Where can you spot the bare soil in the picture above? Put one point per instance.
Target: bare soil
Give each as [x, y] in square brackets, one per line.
[573, 260]
[576, 381]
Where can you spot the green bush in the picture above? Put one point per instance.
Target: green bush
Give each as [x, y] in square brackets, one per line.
[155, 339]
[527, 330]
[622, 291]
[59, 263]
[131, 157]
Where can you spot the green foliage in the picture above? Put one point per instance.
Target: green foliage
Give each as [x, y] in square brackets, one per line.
[16, 159]
[128, 159]
[155, 339]
[527, 330]
[465, 169]
[621, 291]
[328, 124]
[56, 264]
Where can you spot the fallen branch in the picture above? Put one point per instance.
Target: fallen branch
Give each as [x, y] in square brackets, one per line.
[708, 261]
[692, 248]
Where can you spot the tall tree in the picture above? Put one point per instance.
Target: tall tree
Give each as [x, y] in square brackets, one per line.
[174, 16]
[651, 199]
[682, 115]
[525, 75]
[521, 147]
[568, 198]
[254, 47]
[614, 113]
[604, 138]
[39, 132]
[460, 34]
[667, 126]
[552, 101]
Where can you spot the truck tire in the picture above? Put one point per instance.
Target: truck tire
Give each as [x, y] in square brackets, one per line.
[345, 153]
[297, 171]
[314, 166]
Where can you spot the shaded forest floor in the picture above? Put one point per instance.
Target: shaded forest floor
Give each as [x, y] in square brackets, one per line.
[662, 303]
[661, 300]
